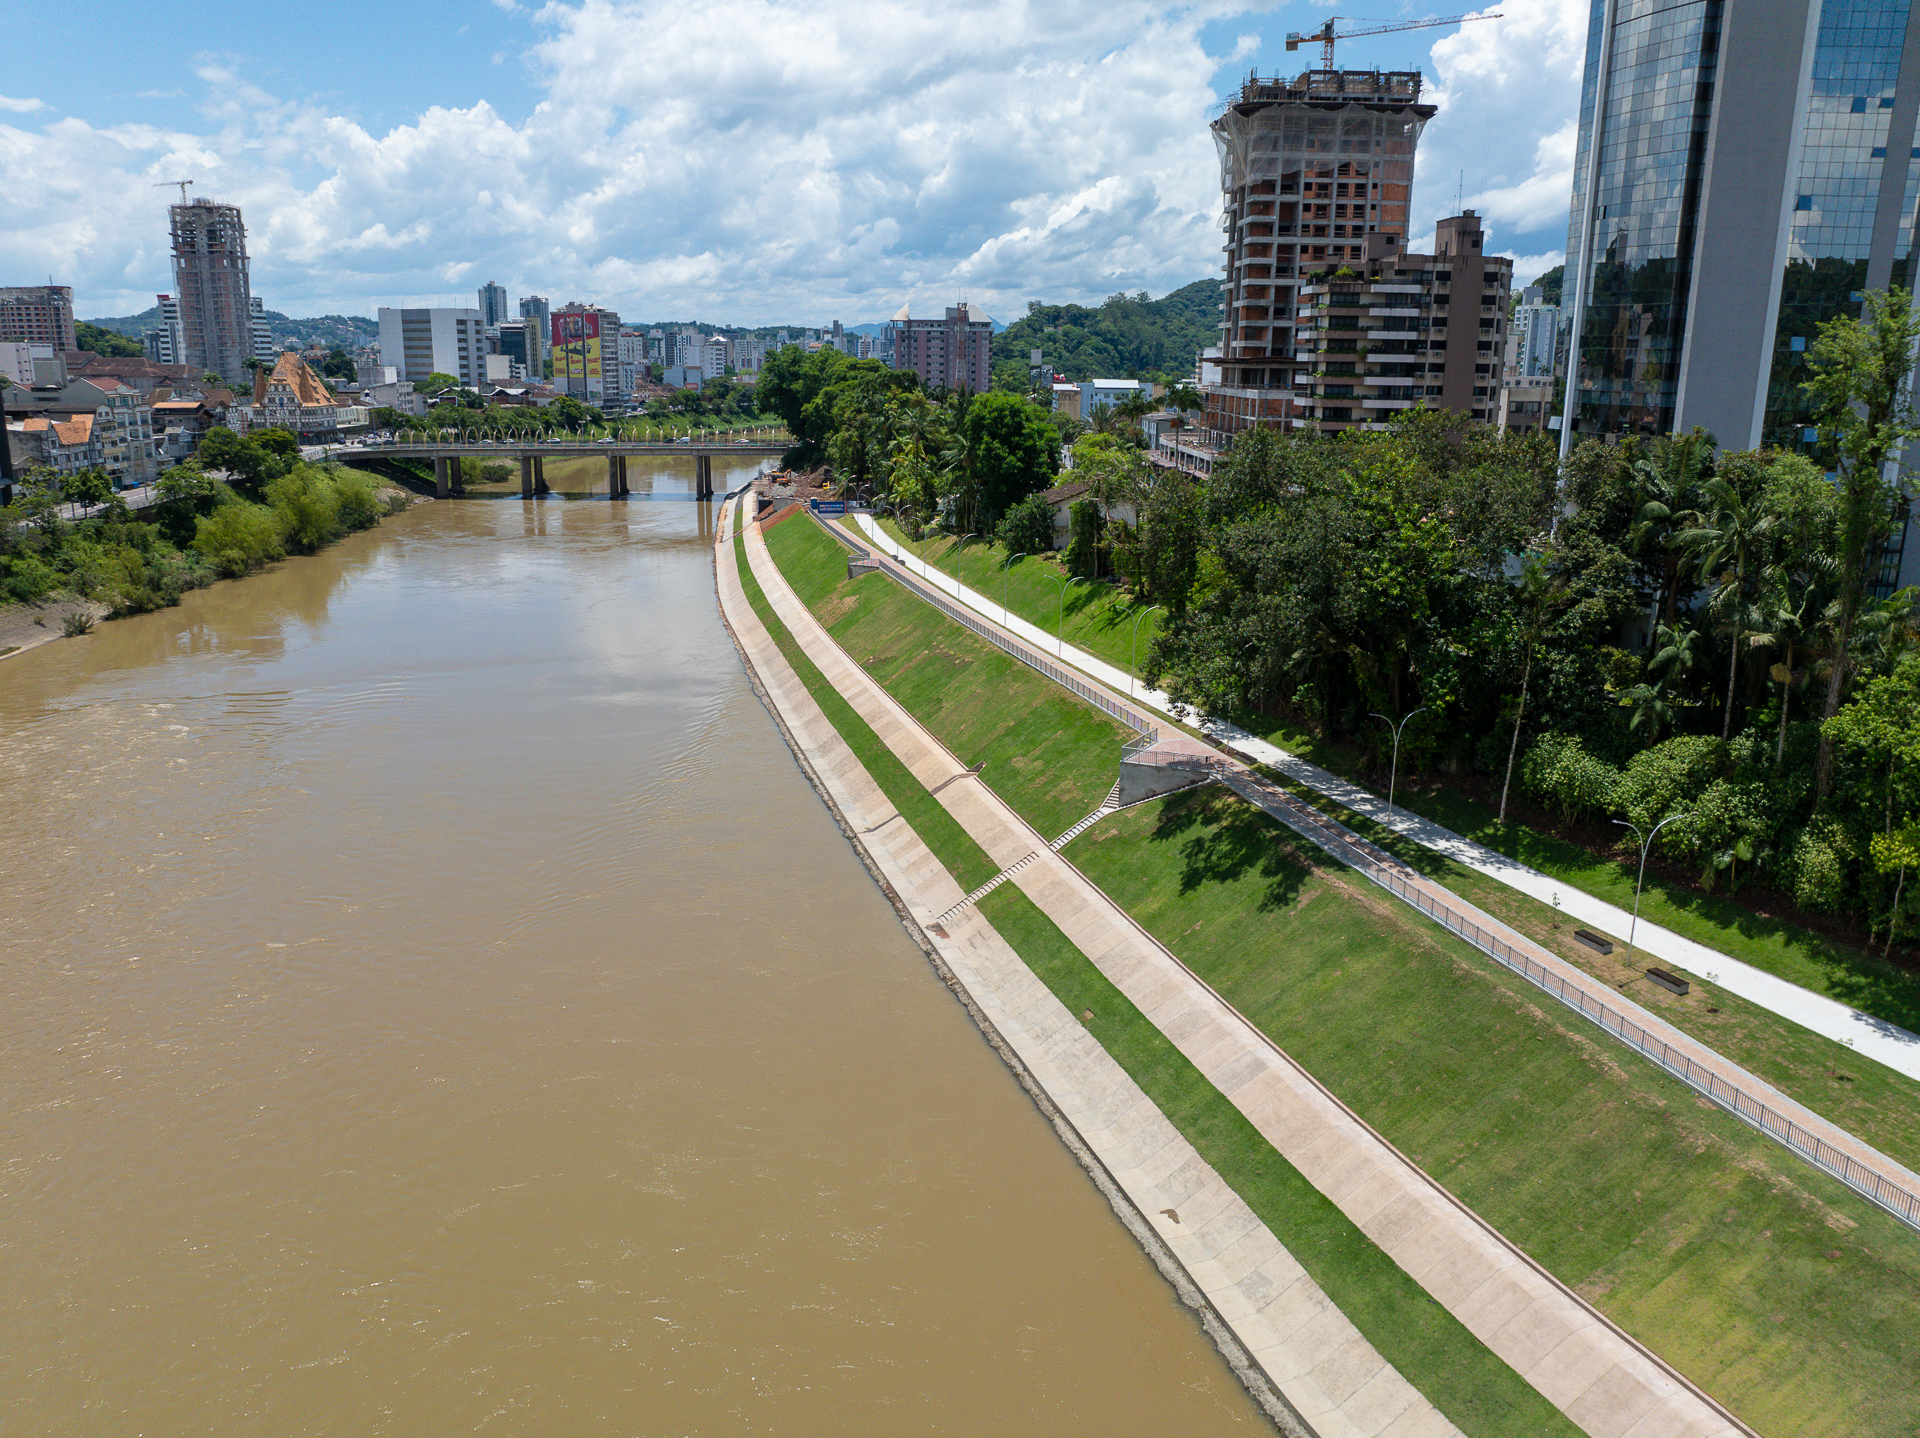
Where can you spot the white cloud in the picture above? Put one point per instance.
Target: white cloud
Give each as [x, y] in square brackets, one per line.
[1509, 94]
[21, 107]
[764, 160]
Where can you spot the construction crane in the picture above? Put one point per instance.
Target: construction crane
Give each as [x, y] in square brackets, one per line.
[1325, 37]
[184, 183]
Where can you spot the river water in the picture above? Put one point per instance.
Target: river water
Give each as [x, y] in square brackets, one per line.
[433, 1002]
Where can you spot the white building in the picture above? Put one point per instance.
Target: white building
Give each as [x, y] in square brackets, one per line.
[264, 348]
[1534, 335]
[1083, 399]
[633, 360]
[422, 342]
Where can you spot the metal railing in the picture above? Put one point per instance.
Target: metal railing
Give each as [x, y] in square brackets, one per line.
[1389, 873]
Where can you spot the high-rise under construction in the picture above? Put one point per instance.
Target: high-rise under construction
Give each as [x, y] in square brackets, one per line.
[211, 284]
[1310, 168]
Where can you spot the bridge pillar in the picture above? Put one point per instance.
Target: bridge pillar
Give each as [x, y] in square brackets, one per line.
[540, 475]
[526, 476]
[439, 476]
[625, 488]
[703, 476]
[616, 477]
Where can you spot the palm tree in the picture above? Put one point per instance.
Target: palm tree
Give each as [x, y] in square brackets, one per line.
[1667, 473]
[1182, 399]
[1725, 538]
[1789, 630]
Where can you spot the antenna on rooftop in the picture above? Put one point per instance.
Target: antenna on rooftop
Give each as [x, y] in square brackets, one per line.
[181, 183]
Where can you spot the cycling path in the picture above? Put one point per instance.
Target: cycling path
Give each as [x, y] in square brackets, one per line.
[1595, 1373]
[1879, 1040]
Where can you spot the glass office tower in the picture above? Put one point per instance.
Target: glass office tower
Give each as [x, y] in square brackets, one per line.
[1745, 169]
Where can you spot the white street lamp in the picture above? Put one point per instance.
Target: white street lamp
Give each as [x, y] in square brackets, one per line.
[1393, 780]
[1646, 842]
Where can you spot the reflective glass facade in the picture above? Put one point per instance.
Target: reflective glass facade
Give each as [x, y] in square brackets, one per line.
[1658, 94]
[1847, 147]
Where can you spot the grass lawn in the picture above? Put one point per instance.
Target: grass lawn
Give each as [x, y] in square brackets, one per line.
[1051, 757]
[1800, 956]
[1098, 617]
[1770, 1285]
[1868, 1098]
[1482, 1396]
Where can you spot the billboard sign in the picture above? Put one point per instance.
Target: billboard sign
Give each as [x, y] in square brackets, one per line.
[576, 352]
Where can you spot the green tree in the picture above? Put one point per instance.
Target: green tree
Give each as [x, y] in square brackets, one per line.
[1865, 411]
[1730, 532]
[437, 383]
[1014, 451]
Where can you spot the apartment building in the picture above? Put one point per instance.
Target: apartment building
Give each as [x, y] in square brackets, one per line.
[952, 352]
[38, 315]
[533, 310]
[210, 277]
[1313, 171]
[421, 342]
[1402, 331]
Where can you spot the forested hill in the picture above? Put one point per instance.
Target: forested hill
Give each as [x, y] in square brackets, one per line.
[348, 331]
[1129, 336]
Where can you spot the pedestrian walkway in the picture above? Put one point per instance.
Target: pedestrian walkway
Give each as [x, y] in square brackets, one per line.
[1602, 1379]
[1315, 1373]
[1875, 1038]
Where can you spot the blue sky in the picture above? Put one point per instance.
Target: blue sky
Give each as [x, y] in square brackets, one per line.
[743, 161]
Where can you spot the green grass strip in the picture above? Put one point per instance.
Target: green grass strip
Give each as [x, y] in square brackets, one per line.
[942, 833]
[1867, 1098]
[1430, 1348]
[1049, 755]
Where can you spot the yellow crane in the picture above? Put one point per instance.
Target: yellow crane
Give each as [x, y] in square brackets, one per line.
[1325, 36]
[168, 184]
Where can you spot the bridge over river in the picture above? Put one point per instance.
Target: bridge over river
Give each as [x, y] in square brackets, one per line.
[532, 456]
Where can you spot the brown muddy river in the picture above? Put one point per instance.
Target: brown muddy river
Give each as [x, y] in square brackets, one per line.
[433, 1002]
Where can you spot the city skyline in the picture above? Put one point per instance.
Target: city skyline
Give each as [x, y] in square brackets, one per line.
[833, 163]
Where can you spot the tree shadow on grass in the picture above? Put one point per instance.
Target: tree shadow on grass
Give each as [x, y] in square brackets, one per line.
[1224, 839]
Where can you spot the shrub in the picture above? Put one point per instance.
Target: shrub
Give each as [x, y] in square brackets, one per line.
[1028, 527]
[307, 508]
[77, 623]
[1558, 770]
[1818, 866]
[249, 531]
[358, 508]
[1669, 776]
[25, 578]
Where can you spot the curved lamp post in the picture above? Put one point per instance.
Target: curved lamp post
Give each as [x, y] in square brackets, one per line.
[1006, 578]
[1646, 842]
[1393, 781]
[1060, 619]
[1134, 678]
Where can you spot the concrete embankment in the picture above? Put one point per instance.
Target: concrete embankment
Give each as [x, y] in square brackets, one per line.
[1309, 1366]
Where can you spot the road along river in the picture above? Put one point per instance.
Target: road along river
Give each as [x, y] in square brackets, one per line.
[433, 1002]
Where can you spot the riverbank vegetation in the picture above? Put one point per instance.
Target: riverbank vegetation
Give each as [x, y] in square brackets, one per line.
[1777, 1289]
[261, 504]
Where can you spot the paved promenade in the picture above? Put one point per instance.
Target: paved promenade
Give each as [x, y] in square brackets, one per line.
[1875, 1038]
[1331, 1381]
[1597, 1375]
